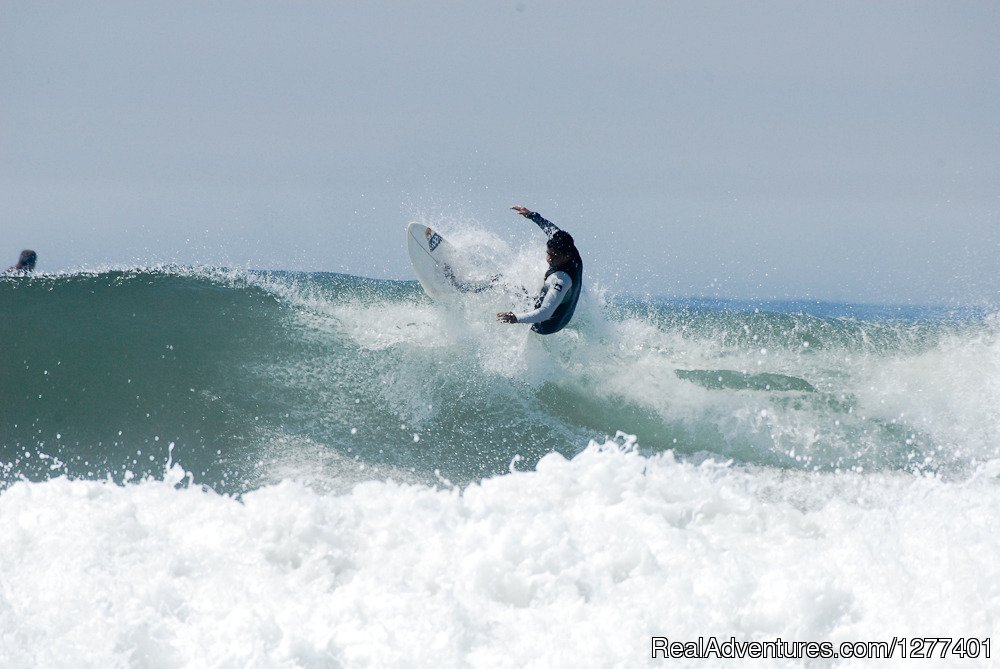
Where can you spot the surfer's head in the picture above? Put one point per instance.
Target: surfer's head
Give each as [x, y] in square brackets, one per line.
[560, 248]
[27, 261]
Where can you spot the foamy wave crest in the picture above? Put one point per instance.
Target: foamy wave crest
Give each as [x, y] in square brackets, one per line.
[576, 563]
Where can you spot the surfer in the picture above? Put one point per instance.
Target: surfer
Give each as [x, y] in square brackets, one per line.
[557, 299]
[25, 264]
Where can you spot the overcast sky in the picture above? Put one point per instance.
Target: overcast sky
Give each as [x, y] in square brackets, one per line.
[833, 150]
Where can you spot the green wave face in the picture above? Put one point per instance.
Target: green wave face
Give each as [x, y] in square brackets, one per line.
[245, 378]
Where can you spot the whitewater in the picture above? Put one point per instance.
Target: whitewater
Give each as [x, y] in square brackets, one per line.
[204, 467]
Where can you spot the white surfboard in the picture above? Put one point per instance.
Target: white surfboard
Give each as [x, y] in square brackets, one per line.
[433, 259]
[445, 271]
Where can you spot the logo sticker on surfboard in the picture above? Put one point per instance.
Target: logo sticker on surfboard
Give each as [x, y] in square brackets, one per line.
[433, 238]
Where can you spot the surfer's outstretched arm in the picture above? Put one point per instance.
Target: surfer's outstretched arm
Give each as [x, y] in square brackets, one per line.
[548, 227]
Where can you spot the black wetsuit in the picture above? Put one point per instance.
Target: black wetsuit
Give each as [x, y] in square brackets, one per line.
[562, 287]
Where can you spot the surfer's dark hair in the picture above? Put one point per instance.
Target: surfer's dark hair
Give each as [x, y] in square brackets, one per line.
[561, 241]
[27, 260]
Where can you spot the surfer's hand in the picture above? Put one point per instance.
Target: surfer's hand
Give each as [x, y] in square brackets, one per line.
[506, 317]
[524, 211]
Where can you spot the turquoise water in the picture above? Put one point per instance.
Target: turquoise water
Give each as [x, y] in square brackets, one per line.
[242, 371]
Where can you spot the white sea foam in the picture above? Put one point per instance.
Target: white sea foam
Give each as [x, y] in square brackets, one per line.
[578, 563]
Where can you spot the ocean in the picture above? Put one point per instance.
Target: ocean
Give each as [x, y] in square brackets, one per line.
[220, 468]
